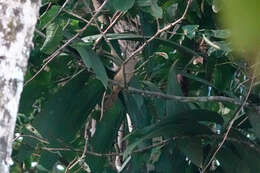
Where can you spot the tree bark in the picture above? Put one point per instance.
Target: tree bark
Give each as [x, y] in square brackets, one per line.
[17, 23]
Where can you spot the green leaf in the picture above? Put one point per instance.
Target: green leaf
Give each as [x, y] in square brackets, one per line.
[230, 162]
[254, 117]
[170, 162]
[138, 162]
[47, 160]
[66, 111]
[54, 35]
[201, 115]
[172, 11]
[49, 15]
[129, 36]
[136, 107]
[27, 147]
[138, 120]
[122, 5]
[105, 135]
[198, 79]
[138, 136]
[190, 30]
[39, 86]
[193, 149]
[221, 48]
[160, 104]
[249, 156]
[184, 123]
[150, 6]
[92, 60]
[223, 76]
[174, 107]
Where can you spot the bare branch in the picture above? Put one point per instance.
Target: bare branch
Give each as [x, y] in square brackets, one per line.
[179, 98]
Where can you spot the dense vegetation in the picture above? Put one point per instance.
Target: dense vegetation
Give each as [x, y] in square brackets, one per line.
[137, 86]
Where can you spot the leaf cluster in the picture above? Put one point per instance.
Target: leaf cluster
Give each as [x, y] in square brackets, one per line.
[62, 125]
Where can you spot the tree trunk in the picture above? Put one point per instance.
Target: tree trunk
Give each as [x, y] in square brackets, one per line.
[17, 23]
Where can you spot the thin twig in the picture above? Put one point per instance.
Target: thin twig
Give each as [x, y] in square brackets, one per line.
[76, 15]
[51, 57]
[230, 124]
[166, 141]
[169, 26]
[32, 136]
[115, 19]
[108, 42]
[81, 159]
[62, 7]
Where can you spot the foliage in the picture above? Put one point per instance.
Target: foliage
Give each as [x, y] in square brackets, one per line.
[187, 87]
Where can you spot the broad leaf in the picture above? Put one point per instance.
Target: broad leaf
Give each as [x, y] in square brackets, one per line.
[47, 160]
[250, 156]
[65, 113]
[27, 147]
[230, 162]
[174, 107]
[150, 6]
[122, 5]
[223, 76]
[190, 30]
[49, 15]
[54, 35]
[171, 162]
[92, 60]
[137, 108]
[184, 123]
[128, 36]
[201, 115]
[68, 107]
[159, 104]
[105, 135]
[254, 117]
[193, 149]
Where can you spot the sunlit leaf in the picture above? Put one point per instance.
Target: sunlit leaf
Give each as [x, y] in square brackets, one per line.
[49, 15]
[54, 35]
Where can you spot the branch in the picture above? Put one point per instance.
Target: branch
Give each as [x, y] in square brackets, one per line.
[156, 94]
[166, 141]
[125, 73]
[230, 124]
[51, 57]
[169, 26]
